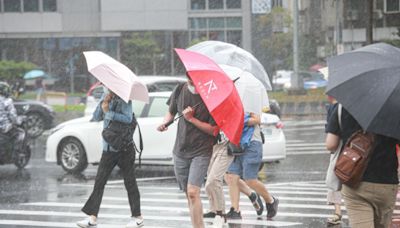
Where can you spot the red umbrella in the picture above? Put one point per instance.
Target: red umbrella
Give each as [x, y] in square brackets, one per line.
[217, 92]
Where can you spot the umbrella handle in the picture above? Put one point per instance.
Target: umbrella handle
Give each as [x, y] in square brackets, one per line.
[173, 120]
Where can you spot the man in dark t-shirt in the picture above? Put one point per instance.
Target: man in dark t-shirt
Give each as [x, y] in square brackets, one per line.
[372, 203]
[193, 147]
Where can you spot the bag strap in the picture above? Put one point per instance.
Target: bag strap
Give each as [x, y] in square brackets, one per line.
[139, 151]
[340, 115]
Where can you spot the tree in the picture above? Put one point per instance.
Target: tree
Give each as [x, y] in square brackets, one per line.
[275, 48]
[11, 71]
[274, 45]
[140, 52]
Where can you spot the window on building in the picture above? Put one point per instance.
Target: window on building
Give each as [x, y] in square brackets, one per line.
[234, 22]
[198, 4]
[216, 35]
[12, 6]
[278, 3]
[215, 4]
[198, 23]
[49, 5]
[217, 22]
[31, 5]
[392, 6]
[234, 37]
[198, 35]
[233, 4]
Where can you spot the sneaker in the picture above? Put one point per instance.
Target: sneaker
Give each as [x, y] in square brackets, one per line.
[219, 221]
[272, 208]
[257, 203]
[232, 214]
[135, 222]
[85, 223]
[335, 219]
[209, 214]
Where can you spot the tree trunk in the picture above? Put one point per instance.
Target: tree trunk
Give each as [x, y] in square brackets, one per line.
[369, 23]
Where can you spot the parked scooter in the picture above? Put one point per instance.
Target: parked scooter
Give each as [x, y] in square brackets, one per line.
[8, 154]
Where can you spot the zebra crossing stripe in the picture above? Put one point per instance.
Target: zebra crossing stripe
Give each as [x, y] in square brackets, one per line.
[245, 221]
[170, 208]
[245, 201]
[296, 144]
[270, 191]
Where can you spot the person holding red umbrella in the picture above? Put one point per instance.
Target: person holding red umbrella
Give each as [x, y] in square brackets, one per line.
[193, 145]
[209, 103]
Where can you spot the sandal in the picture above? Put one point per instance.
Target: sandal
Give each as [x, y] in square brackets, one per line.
[335, 219]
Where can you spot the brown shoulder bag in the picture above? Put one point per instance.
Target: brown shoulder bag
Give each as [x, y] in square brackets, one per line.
[353, 160]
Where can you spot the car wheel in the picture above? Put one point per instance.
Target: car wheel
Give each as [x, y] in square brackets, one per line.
[72, 155]
[35, 124]
[22, 159]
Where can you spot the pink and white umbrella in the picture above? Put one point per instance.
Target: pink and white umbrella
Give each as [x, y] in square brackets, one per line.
[116, 76]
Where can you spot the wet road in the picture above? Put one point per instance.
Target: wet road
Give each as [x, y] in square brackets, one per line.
[42, 195]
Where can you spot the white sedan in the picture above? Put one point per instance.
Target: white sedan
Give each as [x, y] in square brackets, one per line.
[76, 143]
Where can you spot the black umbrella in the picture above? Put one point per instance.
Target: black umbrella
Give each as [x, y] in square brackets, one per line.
[366, 82]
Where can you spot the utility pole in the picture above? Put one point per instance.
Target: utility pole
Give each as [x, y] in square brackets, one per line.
[370, 20]
[296, 80]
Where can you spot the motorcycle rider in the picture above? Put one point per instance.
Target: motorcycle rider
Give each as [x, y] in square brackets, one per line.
[9, 118]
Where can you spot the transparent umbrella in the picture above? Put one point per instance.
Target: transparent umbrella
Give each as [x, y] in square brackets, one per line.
[232, 55]
[251, 91]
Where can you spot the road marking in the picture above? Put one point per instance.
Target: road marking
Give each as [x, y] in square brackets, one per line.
[246, 202]
[169, 208]
[246, 221]
[59, 224]
[304, 144]
[307, 148]
[271, 191]
[306, 153]
[304, 129]
[143, 179]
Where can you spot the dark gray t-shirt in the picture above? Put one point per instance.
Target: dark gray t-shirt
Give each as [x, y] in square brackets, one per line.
[190, 141]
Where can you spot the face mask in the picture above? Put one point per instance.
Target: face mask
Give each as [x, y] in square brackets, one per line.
[192, 89]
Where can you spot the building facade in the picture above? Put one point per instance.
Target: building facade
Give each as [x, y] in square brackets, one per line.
[54, 33]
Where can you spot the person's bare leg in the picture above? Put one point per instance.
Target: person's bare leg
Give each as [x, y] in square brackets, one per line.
[195, 206]
[259, 187]
[234, 192]
[244, 188]
[338, 210]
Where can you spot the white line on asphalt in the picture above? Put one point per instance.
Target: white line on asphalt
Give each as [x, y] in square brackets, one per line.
[306, 153]
[313, 185]
[246, 221]
[304, 144]
[319, 148]
[169, 208]
[245, 201]
[271, 191]
[142, 179]
[304, 129]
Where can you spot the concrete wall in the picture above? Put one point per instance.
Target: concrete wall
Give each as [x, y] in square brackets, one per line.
[30, 22]
[129, 15]
[78, 15]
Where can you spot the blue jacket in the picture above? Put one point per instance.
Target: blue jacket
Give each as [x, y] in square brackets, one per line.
[118, 111]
